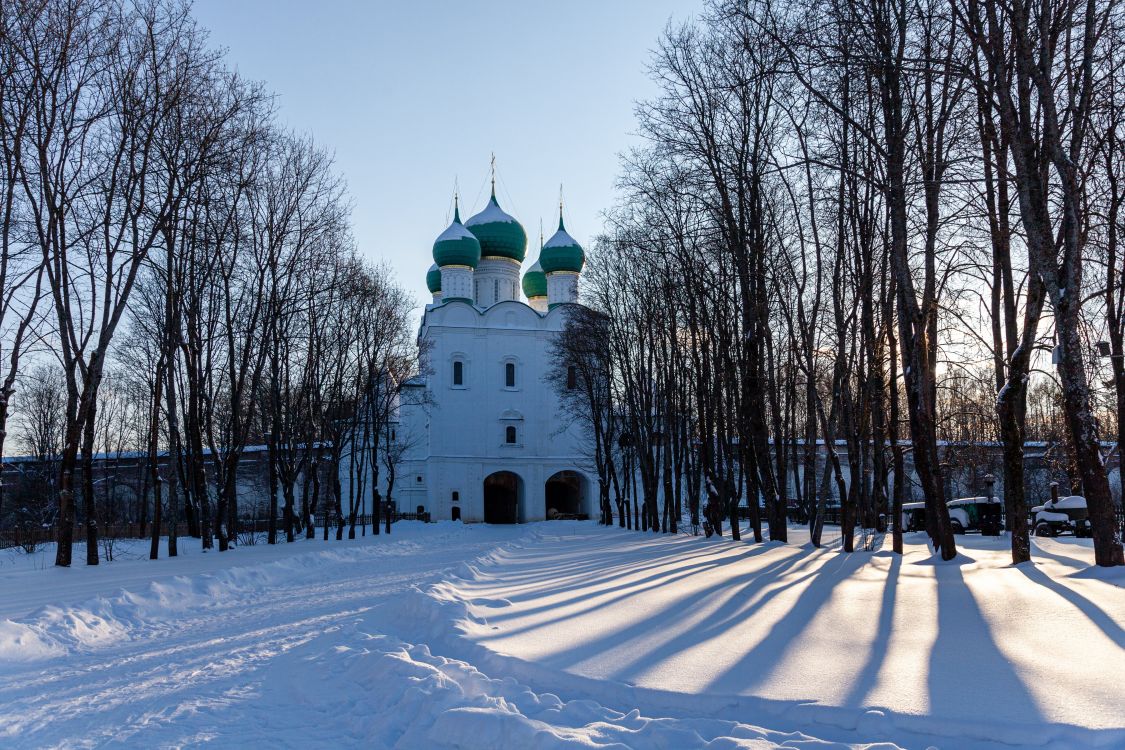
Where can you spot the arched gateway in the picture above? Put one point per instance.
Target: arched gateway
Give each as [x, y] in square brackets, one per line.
[563, 494]
[501, 497]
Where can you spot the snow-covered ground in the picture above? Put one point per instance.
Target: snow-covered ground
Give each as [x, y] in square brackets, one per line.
[564, 634]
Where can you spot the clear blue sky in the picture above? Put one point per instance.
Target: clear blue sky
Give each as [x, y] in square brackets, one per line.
[410, 95]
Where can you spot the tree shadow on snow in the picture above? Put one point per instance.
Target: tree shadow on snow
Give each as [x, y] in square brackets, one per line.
[964, 647]
[865, 680]
[588, 582]
[759, 663]
[651, 635]
[1038, 550]
[1097, 615]
[587, 590]
[742, 598]
[589, 564]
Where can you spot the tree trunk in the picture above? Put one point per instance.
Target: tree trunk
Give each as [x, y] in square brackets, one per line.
[89, 499]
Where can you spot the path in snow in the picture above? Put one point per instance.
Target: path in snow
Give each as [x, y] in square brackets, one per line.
[286, 646]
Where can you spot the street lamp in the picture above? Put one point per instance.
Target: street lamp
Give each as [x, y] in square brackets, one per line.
[989, 514]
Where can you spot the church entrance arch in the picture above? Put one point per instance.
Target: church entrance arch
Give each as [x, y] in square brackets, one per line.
[563, 492]
[501, 497]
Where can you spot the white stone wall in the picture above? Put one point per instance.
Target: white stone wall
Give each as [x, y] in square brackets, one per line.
[562, 287]
[456, 281]
[464, 425]
[496, 280]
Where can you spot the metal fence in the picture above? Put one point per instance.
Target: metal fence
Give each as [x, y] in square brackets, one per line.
[35, 536]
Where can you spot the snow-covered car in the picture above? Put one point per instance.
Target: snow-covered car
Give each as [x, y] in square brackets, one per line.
[975, 514]
[965, 514]
[1065, 515]
[913, 516]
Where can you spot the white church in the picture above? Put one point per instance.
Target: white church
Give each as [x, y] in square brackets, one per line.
[483, 436]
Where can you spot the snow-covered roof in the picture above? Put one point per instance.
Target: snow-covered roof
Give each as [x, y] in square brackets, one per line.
[492, 214]
[972, 501]
[560, 239]
[456, 231]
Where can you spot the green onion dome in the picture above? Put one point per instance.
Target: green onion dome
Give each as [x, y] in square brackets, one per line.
[500, 235]
[562, 252]
[535, 282]
[457, 246]
[433, 279]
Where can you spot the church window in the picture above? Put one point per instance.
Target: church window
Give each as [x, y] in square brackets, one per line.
[509, 374]
[510, 435]
[571, 377]
[458, 372]
[496, 290]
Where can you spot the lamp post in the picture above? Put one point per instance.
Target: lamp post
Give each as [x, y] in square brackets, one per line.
[990, 523]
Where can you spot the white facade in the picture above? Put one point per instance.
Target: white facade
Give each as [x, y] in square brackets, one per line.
[495, 280]
[483, 407]
[562, 287]
[456, 282]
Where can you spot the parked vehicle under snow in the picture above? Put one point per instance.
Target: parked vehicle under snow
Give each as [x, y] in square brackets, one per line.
[984, 514]
[1060, 516]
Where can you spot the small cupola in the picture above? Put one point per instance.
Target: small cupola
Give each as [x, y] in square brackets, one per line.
[562, 252]
[433, 280]
[535, 282]
[457, 246]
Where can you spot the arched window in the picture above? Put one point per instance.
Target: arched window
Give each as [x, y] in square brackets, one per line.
[571, 377]
[458, 372]
[509, 374]
[510, 435]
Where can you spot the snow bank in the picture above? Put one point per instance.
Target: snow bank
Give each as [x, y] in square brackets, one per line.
[408, 697]
[20, 642]
[111, 619]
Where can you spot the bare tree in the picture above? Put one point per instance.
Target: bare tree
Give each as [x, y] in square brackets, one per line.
[1041, 59]
[582, 382]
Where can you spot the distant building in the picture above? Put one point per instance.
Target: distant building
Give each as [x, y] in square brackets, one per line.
[481, 432]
